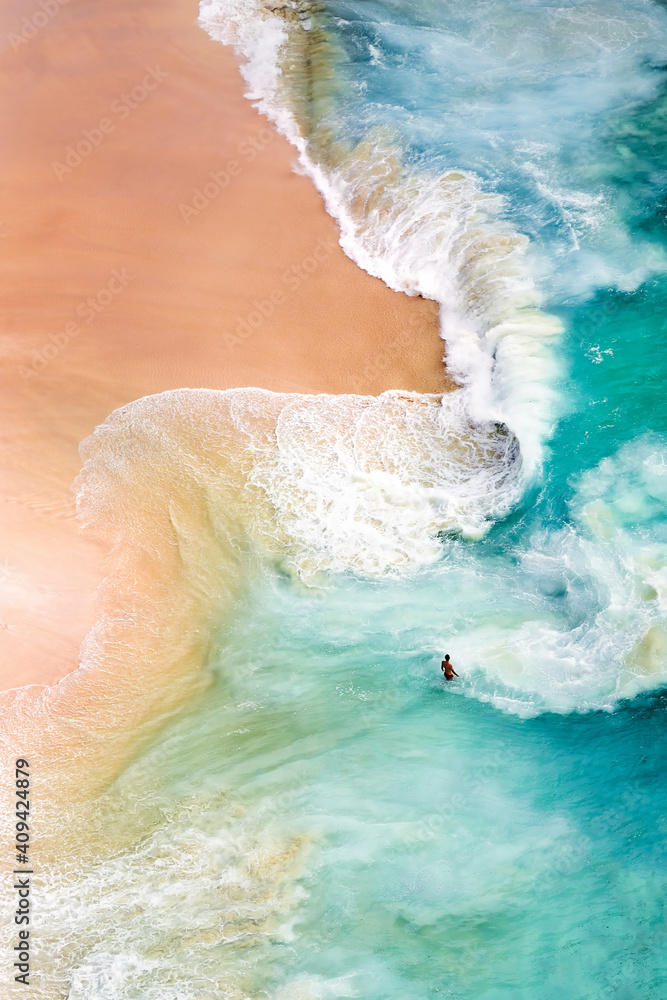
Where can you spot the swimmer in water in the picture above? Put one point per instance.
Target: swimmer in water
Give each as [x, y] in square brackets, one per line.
[448, 669]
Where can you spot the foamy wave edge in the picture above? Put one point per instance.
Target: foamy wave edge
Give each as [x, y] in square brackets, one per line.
[439, 236]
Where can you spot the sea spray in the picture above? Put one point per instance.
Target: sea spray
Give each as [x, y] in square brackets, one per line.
[439, 235]
[437, 140]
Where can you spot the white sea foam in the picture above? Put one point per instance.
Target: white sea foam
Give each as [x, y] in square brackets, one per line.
[339, 483]
[366, 484]
[582, 623]
[259, 38]
[440, 236]
[167, 915]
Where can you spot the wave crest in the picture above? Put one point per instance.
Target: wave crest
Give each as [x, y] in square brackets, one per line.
[441, 236]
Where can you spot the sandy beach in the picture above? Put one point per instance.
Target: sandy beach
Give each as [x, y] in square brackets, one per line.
[154, 235]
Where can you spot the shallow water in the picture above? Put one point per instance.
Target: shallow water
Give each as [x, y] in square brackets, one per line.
[462, 851]
[335, 820]
[331, 818]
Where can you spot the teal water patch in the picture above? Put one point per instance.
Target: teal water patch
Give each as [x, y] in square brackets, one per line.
[450, 849]
[559, 109]
[635, 152]
[616, 352]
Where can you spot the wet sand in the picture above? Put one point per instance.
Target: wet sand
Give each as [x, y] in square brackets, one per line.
[153, 235]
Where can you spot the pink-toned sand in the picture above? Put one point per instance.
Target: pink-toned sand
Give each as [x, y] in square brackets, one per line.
[153, 235]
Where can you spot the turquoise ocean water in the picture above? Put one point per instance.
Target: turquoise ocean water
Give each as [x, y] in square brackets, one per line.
[355, 826]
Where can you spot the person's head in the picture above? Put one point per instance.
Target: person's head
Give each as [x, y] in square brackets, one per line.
[447, 657]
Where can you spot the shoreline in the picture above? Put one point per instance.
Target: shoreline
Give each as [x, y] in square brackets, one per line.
[156, 237]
